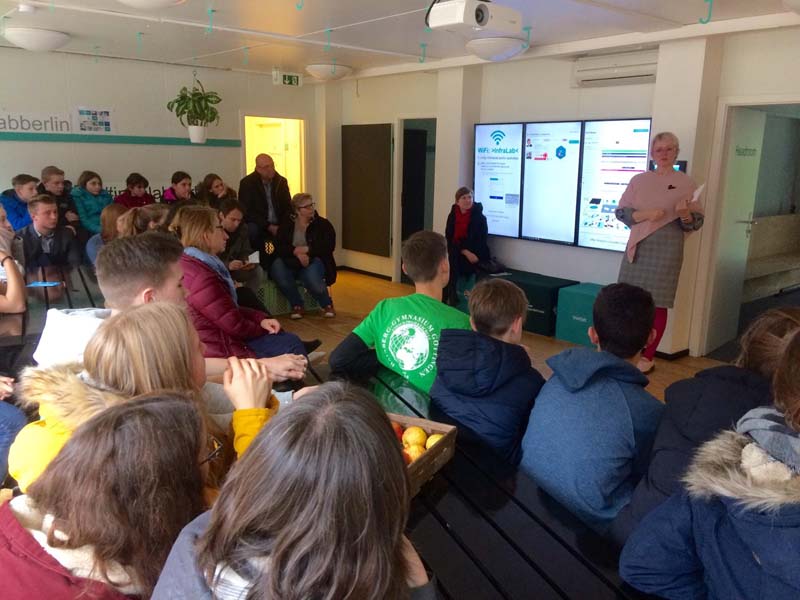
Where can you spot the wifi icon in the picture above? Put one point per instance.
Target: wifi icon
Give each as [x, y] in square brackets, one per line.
[497, 136]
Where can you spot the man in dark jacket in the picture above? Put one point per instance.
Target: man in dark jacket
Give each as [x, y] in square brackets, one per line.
[266, 199]
[238, 250]
[485, 383]
[46, 243]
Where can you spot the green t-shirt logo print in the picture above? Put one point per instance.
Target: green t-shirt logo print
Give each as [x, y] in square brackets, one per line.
[405, 334]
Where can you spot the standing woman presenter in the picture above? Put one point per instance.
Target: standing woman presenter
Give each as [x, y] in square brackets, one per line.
[658, 207]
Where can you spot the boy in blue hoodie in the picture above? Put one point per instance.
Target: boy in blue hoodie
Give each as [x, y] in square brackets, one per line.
[590, 432]
[15, 200]
[485, 383]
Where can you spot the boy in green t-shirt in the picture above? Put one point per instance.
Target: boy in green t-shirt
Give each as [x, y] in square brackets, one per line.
[403, 333]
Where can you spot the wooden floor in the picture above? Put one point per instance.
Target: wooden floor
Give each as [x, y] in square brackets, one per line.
[355, 295]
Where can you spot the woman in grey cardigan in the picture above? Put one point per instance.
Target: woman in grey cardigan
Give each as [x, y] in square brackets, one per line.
[660, 209]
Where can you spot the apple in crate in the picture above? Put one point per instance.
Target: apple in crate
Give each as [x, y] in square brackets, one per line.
[413, 452]
[415, 436]
[398, 430]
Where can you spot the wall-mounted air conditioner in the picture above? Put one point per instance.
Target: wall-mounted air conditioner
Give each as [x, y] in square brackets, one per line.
[615, 69]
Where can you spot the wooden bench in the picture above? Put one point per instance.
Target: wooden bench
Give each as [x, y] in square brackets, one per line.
[486, 530]
[19, 333]
[773, 260]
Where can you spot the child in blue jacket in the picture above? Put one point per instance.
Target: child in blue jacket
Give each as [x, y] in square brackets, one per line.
[591, 429]
[15, 200]
[485, 383]
[734, 530]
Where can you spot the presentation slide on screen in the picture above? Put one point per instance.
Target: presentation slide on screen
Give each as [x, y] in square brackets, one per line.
[613, 152]
[498, 169]
[550, 184]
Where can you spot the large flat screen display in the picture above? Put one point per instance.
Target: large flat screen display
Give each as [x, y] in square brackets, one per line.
[498, 174]
[613, 152]
[552, 154]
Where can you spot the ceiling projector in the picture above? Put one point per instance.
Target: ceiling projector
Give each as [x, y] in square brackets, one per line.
[468, 16]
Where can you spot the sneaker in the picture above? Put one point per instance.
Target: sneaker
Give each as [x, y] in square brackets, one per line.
[311, 345]
[328, 312]
[297, 312]
[645, 365]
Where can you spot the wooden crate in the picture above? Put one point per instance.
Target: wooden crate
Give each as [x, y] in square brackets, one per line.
[426, 466]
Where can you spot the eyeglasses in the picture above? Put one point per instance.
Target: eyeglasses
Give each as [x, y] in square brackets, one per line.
[306, 206]
[216, 450]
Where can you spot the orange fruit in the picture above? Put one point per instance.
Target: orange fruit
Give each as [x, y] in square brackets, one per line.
[414, 436]
[414, 452]
[433, 439]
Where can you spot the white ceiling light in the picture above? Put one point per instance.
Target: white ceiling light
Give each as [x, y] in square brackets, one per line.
[792, 5]
[496, 48]
[37, 40]
[328, 72]
[151, 4]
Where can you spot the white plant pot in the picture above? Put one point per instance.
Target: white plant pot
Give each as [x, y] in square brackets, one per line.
[198, 134]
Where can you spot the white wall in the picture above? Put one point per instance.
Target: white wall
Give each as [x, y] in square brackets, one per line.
[371, 101]
[459, 106]
[541, 90]
[137, 92]
[761, 63]
[382, 99]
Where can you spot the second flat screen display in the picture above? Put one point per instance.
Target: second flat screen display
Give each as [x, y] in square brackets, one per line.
[614, 151]
[552, 153]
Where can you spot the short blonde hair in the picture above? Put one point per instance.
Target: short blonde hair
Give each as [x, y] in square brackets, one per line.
[193, 223]
[665, 135]
[142, 350]
[299, 199]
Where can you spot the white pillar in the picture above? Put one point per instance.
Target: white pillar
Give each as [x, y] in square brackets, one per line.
[685, 102]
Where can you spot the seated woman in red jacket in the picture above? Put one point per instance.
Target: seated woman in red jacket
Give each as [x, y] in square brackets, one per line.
[305, 251]
[467, 233]
[100, 521]
[225, 328]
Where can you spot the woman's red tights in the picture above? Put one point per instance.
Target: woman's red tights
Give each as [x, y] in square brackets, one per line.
[659, 324]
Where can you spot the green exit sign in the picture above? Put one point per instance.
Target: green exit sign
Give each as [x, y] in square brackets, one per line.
[286, 78]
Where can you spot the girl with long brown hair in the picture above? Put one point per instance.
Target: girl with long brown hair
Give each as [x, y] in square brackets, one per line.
[101, 519]
[108, 230]
[213, 190]
[314, 510]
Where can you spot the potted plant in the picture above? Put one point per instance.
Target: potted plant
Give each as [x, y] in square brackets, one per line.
[195, 109]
